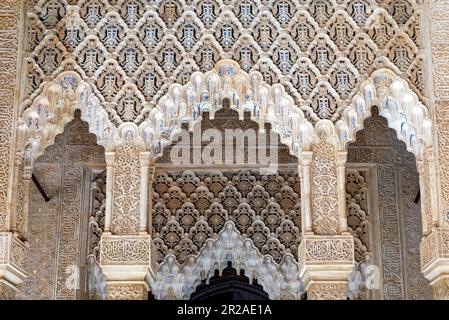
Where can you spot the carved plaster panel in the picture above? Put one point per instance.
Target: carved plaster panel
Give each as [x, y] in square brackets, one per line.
[56, 227]
[176, 281]
[122, 250]
[393, 214]
[156, 43]
[186, 214]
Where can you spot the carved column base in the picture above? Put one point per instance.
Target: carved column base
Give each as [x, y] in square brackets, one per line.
[435, 262]
[326, 262]
[13, 255]
[127, 291]
[125, 261]
[321, 290]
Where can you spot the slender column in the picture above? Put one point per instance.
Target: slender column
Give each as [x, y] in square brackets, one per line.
[306, 201]
[20, 197]
[428, 192]
[326, 253]
[13, 246]
[151, 172]
[27, 173]
[433, 190]
[17, 193]
[341, 178]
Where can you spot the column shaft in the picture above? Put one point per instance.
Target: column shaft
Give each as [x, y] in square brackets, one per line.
[109, 186]
[306, 197]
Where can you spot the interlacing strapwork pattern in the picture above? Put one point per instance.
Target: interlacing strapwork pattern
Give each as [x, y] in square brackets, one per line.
[357, 209]
[131, 51]
[97, 213]
[191, 207]
[324, 190]
[397, 231]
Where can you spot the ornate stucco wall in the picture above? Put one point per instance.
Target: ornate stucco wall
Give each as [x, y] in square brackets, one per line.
[390, 202]
[311, 65]
[58, 228]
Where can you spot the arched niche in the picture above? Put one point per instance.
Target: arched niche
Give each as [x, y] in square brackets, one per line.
[58, 226]
[384, 213]
[192, 202]
[397, 103]
[280, 281]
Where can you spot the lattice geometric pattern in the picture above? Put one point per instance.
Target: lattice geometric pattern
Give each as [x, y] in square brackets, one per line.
[132, 50]
[191, 207]
[357, 209]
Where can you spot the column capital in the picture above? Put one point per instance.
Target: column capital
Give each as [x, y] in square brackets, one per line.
[440, 289]
[435, 255]
[326, 258]
[321, 290]
[13, 256]
[342, 157]
[109, 158]
[145, 158]
[306, 158]
[133, 251]
[125, 260]
[128, 291]
[27, 173]
[19, 158]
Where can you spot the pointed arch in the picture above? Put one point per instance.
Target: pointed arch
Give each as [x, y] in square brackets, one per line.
[397, 103]
[46, 116]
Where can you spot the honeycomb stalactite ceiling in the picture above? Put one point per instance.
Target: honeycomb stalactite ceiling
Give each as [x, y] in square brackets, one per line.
[190, 208]
[132, 50]
[330, 60]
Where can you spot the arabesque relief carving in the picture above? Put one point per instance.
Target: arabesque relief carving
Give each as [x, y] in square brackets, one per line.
[137, 72]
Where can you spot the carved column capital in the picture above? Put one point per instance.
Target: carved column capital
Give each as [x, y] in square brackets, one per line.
[326, 262]
[440, 289]
[109, 158]
[125, 250]
[145, 158]
[13, 256]
[435, 262]
[327, 291]
[127, 291]
[19, 159]
[27, 173]
[151, 170]
[306, 158]
[342, 157]
[125, 260]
